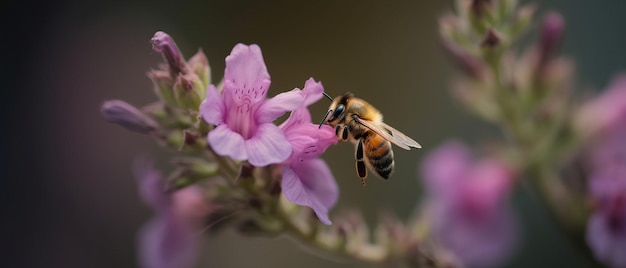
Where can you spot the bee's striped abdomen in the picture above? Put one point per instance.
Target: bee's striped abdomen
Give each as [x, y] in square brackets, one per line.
[379, 155]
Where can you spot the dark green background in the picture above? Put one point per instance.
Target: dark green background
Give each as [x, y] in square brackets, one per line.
[68, 198]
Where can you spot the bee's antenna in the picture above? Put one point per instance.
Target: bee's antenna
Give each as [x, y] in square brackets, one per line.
[324, 119]
[327, 96]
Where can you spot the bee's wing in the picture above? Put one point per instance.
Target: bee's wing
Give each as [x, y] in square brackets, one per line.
[391, 134]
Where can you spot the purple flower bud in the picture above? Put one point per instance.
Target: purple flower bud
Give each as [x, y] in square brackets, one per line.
[551, 37]
[164, 44]
[126, 115]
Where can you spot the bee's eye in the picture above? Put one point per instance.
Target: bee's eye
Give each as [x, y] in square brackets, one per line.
[338, 111]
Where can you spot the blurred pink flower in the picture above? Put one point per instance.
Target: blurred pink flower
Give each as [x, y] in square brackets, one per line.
[605, 112]
[170, 239]
[469, 209]
[307, 180]
[243, 115]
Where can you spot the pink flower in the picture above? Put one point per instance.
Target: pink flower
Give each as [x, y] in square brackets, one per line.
[172, 237]
[469, 207]
[307, 180]
[242, 114]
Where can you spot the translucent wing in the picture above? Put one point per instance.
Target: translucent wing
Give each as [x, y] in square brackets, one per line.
[391, 134]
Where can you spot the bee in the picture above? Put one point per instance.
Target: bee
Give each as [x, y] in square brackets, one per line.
[359, 122]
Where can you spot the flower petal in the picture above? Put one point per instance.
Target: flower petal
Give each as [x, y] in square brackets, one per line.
[279, 105]
[212, 108]
[599, 237]
[487, 242]
[227, 142]
[245, 66]
[297, 117]
[150, 183]
[312, 91]
[309, 141]
[267, 146]
[444, 167]
[167, 241]
[311, 183]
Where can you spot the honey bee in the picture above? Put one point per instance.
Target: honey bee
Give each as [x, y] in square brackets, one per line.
[359, 122]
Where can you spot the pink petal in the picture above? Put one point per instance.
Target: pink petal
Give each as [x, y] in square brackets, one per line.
[311, 183]
[279, 105]
[167, 241]
[150, 182]
[245, 66]
[297, 117]
[312, 91]
[309, 141]
[606, 111]
[443, 169]
[267, 146]
[227, 142]
[212, 108]
[599, 237]
[247, 94]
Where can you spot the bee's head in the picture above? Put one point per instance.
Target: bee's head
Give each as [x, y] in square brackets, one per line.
[337, 109]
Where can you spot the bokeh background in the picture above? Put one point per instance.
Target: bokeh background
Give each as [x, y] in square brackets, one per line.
[67, 195]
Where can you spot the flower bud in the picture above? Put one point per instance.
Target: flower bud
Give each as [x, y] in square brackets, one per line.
[199, 65]
[164, 44]
[551, 37]
[189, 91]
[126, 115]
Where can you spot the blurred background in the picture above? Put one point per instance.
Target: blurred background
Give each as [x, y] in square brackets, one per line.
[68, 197]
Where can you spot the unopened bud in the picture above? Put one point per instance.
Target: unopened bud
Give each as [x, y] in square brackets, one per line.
[164, 44]
[551, 36]
[199, 65]
[126, 115]
[492, 39]
[189, 91]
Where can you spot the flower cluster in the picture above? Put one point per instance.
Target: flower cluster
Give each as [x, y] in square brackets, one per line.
[238, 166]
[244, 130]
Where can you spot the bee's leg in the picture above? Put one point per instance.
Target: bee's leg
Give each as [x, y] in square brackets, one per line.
[360, 164]
[341, 132]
